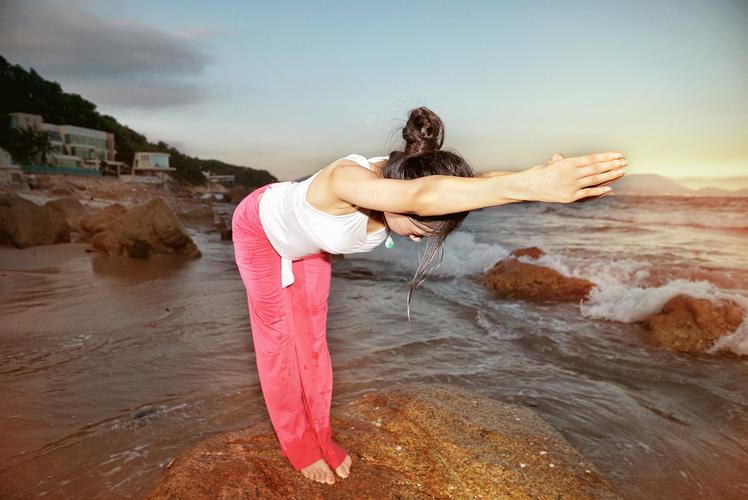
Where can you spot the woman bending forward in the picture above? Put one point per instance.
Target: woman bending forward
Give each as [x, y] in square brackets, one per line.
[285, 232]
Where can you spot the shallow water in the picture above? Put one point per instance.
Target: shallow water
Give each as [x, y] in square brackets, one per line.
[109, 368]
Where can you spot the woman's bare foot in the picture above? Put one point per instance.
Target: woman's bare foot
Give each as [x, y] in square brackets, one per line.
[319, 471]
[345, 468]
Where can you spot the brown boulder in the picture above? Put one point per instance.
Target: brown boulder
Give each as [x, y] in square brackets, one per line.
[532, 252]
[103, 219]
[23, 223]
[406, 441]
[146, 230]
[70, 208]
[511, 279]
[692, 325]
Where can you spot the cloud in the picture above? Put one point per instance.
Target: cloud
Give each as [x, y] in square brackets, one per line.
[118, 62]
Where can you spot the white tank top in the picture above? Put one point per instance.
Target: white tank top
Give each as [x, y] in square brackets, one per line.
[295, 228]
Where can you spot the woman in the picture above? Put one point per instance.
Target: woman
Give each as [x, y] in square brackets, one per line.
[285, 232]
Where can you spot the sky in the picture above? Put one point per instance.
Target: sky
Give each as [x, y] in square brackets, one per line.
[290, 86]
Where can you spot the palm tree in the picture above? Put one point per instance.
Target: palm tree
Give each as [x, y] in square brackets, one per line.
[26, 145]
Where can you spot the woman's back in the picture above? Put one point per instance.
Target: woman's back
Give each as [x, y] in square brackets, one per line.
[295, 228]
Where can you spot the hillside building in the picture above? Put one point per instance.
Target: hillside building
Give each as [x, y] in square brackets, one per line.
[71, 145]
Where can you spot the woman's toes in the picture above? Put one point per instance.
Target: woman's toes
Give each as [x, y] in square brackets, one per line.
[344, 469]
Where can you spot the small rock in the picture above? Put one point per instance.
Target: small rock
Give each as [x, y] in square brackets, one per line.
[511, 279]
[692, 325]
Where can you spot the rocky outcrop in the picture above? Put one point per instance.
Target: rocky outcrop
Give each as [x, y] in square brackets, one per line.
[23, 223]
[406, 441]
[70, 208]
[140, 232]
[511, 279]
[103, 219]
[685, 323]
[692, 325]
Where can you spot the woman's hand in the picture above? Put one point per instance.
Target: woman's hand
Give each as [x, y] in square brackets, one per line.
[565, 180]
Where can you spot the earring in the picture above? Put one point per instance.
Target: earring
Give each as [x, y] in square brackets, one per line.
[388, 242]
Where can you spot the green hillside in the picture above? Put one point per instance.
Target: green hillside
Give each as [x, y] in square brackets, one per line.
[27, 92]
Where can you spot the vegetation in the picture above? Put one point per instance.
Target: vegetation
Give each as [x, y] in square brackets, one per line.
[27, 92]
[25, 145]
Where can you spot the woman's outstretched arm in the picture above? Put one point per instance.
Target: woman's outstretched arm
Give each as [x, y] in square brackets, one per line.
[494, 173]
[561, 181]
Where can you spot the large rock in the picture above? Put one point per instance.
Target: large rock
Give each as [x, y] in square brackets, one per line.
[103, 219]
[142, 231]
[70, 208]
[511, 279]
[23, 223]
[406, 441]
[692, 325]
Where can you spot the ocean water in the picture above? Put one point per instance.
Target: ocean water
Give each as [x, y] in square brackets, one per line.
[109, 368]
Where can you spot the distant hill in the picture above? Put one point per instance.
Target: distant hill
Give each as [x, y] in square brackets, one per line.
[27, 92]
[653, 184]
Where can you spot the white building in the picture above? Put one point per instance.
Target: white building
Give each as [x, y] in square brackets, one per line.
[147, 161]
[91, 147]
[145, 164]
[218, 179]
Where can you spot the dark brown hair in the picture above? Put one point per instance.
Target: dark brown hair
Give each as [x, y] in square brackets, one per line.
[422, 155]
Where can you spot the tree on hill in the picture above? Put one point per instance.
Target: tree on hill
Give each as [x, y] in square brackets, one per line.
[28, 92]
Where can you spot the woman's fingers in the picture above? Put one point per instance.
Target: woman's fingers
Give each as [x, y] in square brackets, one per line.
[569, 179]
[583, 161]
[604, 172]
[590, 193]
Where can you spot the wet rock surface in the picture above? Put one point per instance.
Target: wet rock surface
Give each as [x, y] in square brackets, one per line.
[693, 325]
[103, 219]
[24, 224]
[511, 279]
[685, 323]
[407, 441]
[140, 232]
[70, 208]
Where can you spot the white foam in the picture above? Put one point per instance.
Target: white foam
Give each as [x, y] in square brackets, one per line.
[462, 255]
[619, 294]
[736, 342]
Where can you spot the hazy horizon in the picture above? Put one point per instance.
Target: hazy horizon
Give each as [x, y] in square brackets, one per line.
[291, 87]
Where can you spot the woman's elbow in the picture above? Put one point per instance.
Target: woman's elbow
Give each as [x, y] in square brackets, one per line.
[422, 199]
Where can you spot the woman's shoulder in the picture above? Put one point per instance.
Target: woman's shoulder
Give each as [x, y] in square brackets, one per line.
[360, 160]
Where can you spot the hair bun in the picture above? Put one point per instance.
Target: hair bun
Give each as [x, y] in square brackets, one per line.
[423, 132]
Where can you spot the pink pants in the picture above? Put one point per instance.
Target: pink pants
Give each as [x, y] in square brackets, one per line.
[290, 339]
